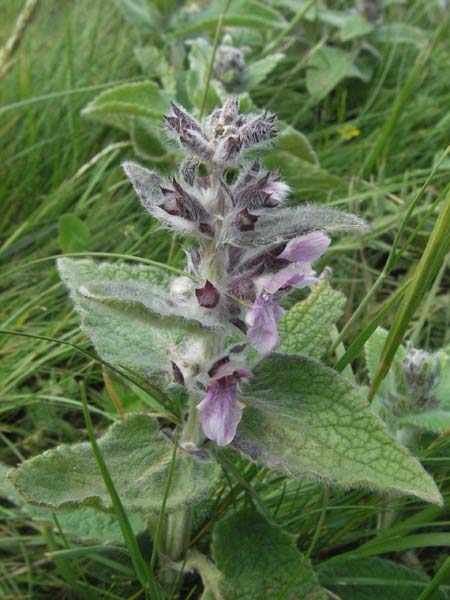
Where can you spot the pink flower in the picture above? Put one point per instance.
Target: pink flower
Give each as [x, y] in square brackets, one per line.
[219, 411]
[263, 317]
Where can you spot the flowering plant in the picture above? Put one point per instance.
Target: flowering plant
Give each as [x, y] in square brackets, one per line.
[205, 340]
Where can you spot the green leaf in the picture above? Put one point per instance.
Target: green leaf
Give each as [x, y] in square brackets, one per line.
[293, 156]
[241, 13]
[305, 328]
[74, 235]
[257, 71]
[140, 13]
[199, 59]
[327, 68]
[126, 334]
[401, 33]
[117, 105]
[436, 421]
[137, 455]
[315, 423]
[426, 270]
[259, 560]
[88, 524]
[354, 26]
[373, 349]
[146, 140]
[355, 578]
[296, 143]
[84, 523]
[441, 390]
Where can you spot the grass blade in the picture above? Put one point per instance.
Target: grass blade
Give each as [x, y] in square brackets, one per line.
[143, 573]
[437, 247]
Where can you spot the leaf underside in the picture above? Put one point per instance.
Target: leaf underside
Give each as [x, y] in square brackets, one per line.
[126, 333]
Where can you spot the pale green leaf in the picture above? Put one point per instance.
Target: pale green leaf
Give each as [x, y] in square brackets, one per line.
[401, 33]
[441, 390]
[372, 578]
[258, 560]
[305, 419]
[436, 421]
[199, 61]
[373, 348]
[83, 523]
[257, 71]
[118, 105]
[293, 156]
[241, 13]
[138, 457]
[327, 68]
[74, 234]
[140, 13]
[296, 143]
[88, 524]
[147, 141]
[354, 26]
[305, 328]
[126, 335]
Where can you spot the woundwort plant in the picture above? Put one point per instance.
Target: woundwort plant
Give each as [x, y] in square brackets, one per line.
[225, 360]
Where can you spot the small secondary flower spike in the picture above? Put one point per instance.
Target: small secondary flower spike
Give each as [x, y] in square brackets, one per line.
[250, 250]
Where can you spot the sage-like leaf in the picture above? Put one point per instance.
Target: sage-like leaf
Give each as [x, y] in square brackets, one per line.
[120, 104]
[260, 560]
[315, 423]
[138, 456]
[305, 328]
[289, 223]
[84, 523]
[328, 67]
[355, 578]
[127, 333]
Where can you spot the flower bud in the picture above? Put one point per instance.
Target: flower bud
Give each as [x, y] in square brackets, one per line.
[182, 288]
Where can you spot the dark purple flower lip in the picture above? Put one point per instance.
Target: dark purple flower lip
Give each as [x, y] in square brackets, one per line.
[208, 296]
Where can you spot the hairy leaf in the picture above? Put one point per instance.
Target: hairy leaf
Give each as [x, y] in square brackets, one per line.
[373, 349]
[436, 421]
[199, 60]
[313, 422]
[118, 105]
[287, 223]
[372, 579]
[125, 334]
[401, 33]
[83, 523]
[305, 328]
[257, 71]
[138, 456]
[259, 560]
[241, 13]
[328, 67]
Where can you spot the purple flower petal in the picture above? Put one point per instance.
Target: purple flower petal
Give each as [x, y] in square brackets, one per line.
[263, 319]
[306, 248]
[219, 411]
[293, 275]
[277, 189]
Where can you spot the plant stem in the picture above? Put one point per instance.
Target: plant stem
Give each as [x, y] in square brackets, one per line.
[191, 436]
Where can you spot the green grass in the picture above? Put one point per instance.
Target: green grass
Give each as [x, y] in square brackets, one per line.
[54, 162]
